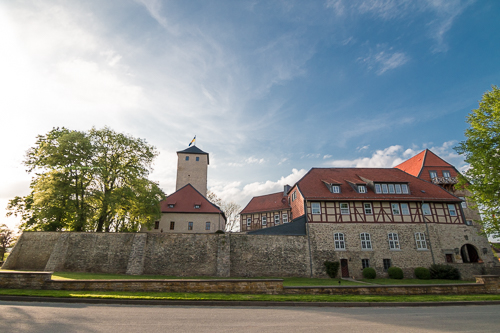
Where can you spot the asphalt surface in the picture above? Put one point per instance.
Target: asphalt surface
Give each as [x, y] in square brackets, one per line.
[66, 317]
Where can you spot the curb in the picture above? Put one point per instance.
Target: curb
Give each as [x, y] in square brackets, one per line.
[236, 303]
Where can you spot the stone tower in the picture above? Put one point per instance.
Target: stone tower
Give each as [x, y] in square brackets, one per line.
[192, 165]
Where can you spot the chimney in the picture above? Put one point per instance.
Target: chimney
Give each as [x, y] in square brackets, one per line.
[286, 189]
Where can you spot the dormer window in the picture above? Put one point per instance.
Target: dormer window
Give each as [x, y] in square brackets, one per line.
[391, 188]
[197, 206]
[404, 187]
[378, 188]
[335, 189]
[361, 189]
[171, 205]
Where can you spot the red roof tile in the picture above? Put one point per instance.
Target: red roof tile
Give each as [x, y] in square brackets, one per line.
[414, 164]
[184, 200]
[425, 161]
[313, 188]
[266, 203]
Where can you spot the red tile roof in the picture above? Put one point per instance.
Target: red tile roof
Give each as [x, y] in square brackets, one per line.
[266, 203]
[313, 188]
[184, 201]
[425, 161]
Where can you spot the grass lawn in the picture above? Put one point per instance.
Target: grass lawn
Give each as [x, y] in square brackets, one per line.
[414, 281]
[246, 297]
[286, 281]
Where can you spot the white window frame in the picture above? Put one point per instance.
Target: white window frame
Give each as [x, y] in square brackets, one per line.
[315, 208]
[361, 189]
[426, 209]
[368, 208]
[391, 189]
[395, 209]
[398, 188]
[249, 221]
[366, 241]
[405, 209]
[393, 239]
[294, 195]
[433, 173]
[385, 189]
[378, 188]
[344, 210]
[264, 220]
[463, 203]
[339, 241]
[276, 219]
[420, 241]
[285, 217]
[452, 210]
[446, 174]
[405, 189]
[335, 188]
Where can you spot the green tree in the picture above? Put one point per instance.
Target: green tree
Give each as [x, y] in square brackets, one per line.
[89, 181]
[482, 152]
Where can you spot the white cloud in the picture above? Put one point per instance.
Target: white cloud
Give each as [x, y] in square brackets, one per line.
[385, 60]
[327, 157]
[241, 194]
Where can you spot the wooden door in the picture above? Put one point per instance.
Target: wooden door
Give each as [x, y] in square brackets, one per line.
[344, 267]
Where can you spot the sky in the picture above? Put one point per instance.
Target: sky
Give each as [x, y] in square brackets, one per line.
[269, 88]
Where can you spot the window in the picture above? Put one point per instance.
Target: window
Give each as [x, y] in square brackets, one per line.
[285, 218]
[157, 224]
[398, 188]
[335, 189]
[197, 206]
[361, 189]
[464, 203]
[365, 263]
[264, 220]
[344, 208]
[393, 241]
[377, 188]
[190, 225]
[391, 188]
[395, 209]
[387, 264]
[207, 225]
[276, 219]
[404, 188]
[197, 158]
[294, 195]
[249, 221]
[172, 225]
[452, 210]
[384, 188]
[366, 243]
[315, 208]
[339, 241]
[368, 208]
[446, 174]
[404, 209]
[433, 174]
[171, 206]
[468, 222]
[426, 209]
[420, 240]
[187, 158]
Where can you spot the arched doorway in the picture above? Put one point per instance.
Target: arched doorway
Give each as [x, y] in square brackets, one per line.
[469, 253]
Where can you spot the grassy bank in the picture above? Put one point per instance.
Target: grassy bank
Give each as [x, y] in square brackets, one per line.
[246, 297]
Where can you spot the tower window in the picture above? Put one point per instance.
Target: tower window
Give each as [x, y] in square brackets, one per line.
[197, 158]
[187, 158]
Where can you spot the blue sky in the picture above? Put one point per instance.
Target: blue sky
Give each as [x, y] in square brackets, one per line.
[270, 88]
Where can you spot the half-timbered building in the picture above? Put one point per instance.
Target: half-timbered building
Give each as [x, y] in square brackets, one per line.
[266, 211]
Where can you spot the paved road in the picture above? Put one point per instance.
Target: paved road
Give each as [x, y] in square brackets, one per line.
[57, 317]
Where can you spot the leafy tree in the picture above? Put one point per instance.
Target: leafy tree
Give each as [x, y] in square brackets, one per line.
[89, 181]
[7, 239]
[482, 151]
[230, 209]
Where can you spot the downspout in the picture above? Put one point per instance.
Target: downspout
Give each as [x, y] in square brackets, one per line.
[308, 240]
[428, 234]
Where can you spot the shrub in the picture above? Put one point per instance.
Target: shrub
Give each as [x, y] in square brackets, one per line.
[422, 273]
[395, 273]
[332, 268]
[446, 272]
[369, 273]
[219, 232]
